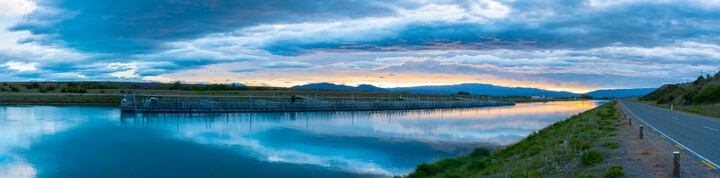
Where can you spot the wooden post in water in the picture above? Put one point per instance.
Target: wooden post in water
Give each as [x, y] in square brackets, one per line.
[641, 132]
[676, 164]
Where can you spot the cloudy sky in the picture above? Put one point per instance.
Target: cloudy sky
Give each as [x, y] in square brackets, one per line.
[570, 45]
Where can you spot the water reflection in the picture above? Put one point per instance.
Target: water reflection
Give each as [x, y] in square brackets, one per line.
[375, 142]
[21, 126]
[77, 141]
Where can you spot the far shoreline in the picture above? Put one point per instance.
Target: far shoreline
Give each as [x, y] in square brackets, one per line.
[117, 104]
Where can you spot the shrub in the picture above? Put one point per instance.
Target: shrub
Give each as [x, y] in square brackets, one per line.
[480, 153]
[426, 170]
[614, 172]
[710, 94]
[585, 145]
[585, 96]
[533, 151]
[580, 144]
[463, 93]
[478, 164]
[176, 86]
[534, 173]
[589, 176]
[590, 157]
[74, 90]
[613, 146]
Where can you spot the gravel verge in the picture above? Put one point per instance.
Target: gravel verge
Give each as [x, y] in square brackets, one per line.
[652, 156]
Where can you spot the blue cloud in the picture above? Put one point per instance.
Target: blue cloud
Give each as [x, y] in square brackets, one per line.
[605, 80]
[655, 41]
[141, 26]
[279, 65]
[572, 25]
[243, 70]
[358, 65]
[602, 80]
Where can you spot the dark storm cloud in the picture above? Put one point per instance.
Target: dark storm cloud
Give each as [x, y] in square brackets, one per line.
[139, 26]
[561, 41]
[573, 25]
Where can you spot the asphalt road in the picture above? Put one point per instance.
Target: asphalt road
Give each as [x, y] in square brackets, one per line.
[694, 134]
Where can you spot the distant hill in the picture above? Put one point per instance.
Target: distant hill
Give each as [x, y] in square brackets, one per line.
[330, 86]
[483, 89]
[475, 89]
[705, 89]
[621, 93]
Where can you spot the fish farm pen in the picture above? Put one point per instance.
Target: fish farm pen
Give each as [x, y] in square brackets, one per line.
[295, 103]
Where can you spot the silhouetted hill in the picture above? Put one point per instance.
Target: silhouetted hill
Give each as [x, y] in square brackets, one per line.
[621, 93]
[483, 89]
[330, 86]
[475, 89]
[480, 89]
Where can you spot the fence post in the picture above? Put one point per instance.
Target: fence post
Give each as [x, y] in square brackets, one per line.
[629, 120]
[641, 132]
[676, 164]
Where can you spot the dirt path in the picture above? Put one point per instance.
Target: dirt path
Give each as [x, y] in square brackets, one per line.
[652, 156]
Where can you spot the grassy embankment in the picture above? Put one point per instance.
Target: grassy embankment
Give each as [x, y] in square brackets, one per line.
[575, 147]
[110, 93]
[701, 96]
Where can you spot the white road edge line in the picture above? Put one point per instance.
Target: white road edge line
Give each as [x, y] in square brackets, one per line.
[710, 128]
[686, 148]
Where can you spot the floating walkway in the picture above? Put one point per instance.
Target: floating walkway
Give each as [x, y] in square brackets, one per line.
[193, 105]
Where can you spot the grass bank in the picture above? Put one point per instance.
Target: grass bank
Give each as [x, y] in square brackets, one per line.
[711, 110]
[61, 99]
[575, 147]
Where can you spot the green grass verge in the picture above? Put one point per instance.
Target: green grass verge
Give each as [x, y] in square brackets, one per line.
[574, 147]
[710, 110]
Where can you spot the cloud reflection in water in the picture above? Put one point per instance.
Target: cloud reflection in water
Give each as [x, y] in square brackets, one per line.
[367, 142]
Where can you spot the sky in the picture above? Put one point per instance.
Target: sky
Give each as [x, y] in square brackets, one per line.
[562, 45]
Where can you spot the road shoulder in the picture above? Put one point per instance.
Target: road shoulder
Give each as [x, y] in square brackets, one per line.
[652, 155]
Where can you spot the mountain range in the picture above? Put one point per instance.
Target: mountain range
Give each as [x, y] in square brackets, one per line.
[480, 89]
[621, 93]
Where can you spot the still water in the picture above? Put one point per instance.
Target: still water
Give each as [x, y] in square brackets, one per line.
[93, 141]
